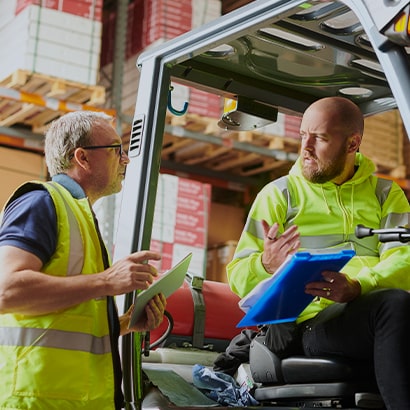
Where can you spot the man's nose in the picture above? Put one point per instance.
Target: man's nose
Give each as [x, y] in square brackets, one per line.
[124, 158]
[308, 143]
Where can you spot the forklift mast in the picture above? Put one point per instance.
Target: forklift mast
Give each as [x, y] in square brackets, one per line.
[270, 56]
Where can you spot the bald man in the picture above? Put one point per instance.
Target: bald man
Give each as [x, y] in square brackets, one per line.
[363, 311]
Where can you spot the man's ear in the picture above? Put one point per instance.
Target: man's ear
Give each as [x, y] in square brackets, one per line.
[81, 158]
[354, 143]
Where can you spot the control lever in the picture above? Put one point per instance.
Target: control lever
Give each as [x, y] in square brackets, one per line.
[398, 233]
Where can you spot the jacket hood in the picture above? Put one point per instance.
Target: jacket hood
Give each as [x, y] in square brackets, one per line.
[365, 168]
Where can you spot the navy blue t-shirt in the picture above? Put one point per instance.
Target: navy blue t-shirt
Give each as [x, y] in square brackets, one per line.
[30, 223]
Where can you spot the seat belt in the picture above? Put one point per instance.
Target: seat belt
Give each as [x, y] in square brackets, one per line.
[196, 284]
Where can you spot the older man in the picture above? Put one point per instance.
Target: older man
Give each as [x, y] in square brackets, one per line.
[59, 326]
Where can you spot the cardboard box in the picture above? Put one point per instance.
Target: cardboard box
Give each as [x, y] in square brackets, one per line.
[157, 15]
[181, 221]
[166, 250]
[211, 264]
[197, 237]
[205, 104]
[205, 11]
[226, 223]
[53, 43]
[171, 253]
[90, 9]
[218, 257]
[19, 167]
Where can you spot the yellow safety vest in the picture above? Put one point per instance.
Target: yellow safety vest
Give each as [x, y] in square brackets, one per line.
[61, 360]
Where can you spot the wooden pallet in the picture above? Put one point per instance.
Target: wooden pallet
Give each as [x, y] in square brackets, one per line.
[223, 157]
[33, 100]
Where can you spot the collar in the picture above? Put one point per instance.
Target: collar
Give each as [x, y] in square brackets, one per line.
[72, 186]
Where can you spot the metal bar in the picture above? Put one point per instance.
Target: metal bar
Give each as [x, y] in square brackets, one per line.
[137, 211]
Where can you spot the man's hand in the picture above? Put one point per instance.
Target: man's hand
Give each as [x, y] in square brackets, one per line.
[131, 273]
[277, 249]
[335, 286]
[154, 314]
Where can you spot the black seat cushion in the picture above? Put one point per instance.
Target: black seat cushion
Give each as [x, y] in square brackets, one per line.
[302, 369]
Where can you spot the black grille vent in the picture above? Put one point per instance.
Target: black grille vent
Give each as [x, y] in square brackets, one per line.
[136, 136]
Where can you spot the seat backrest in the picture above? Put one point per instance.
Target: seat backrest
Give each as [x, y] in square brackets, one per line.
[202, 316]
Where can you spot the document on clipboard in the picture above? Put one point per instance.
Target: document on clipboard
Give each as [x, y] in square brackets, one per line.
[282, 297]
[167, 284]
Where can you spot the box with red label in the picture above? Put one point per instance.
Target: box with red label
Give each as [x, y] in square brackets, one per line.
[191, 221]
[292, 126]
[166, 250]
[181, 214]
[165, 19]
[194, 205]
[172, 253]
[192, 188]
[90, 9]
[196, 237]
[205, 104]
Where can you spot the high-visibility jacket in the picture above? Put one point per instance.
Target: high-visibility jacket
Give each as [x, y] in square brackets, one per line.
[61, 360]
[327, 215]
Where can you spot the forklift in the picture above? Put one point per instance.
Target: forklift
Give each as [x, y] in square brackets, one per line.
[269, 57]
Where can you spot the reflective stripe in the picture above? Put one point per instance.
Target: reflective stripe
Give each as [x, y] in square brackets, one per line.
[394, 219]
[383, 187]
[254, 228]
[282, 184]
[325, 243]
[76, 258]
[59, 339]
[363, 247]
[336, 243]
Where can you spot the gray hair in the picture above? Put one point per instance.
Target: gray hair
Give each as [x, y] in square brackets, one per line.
[67, 133]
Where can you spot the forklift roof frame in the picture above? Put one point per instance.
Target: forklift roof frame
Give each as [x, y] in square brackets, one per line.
[284, 54]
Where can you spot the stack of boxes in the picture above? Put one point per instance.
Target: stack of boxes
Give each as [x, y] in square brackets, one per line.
[292, 126]
[133, 41]
[200, 103]
[57, 38]
[151, 23]
[180, 222]
[90, 9]
[165, 19]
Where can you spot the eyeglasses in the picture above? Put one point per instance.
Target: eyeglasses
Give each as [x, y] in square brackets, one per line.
[119, 146]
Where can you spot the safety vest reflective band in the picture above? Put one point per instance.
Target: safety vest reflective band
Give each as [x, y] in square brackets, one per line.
[12, 336]
[364, 247]
[76, 244]
[61, 359]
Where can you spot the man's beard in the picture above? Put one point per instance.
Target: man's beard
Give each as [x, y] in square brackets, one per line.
[325, 170]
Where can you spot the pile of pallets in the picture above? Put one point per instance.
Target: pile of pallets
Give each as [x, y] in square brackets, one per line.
[218, 150]
[33, 100]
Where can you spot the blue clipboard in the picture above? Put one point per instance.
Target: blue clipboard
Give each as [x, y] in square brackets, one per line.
[282, 297]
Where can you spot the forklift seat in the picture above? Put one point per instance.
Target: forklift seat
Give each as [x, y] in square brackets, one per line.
[301, 381]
